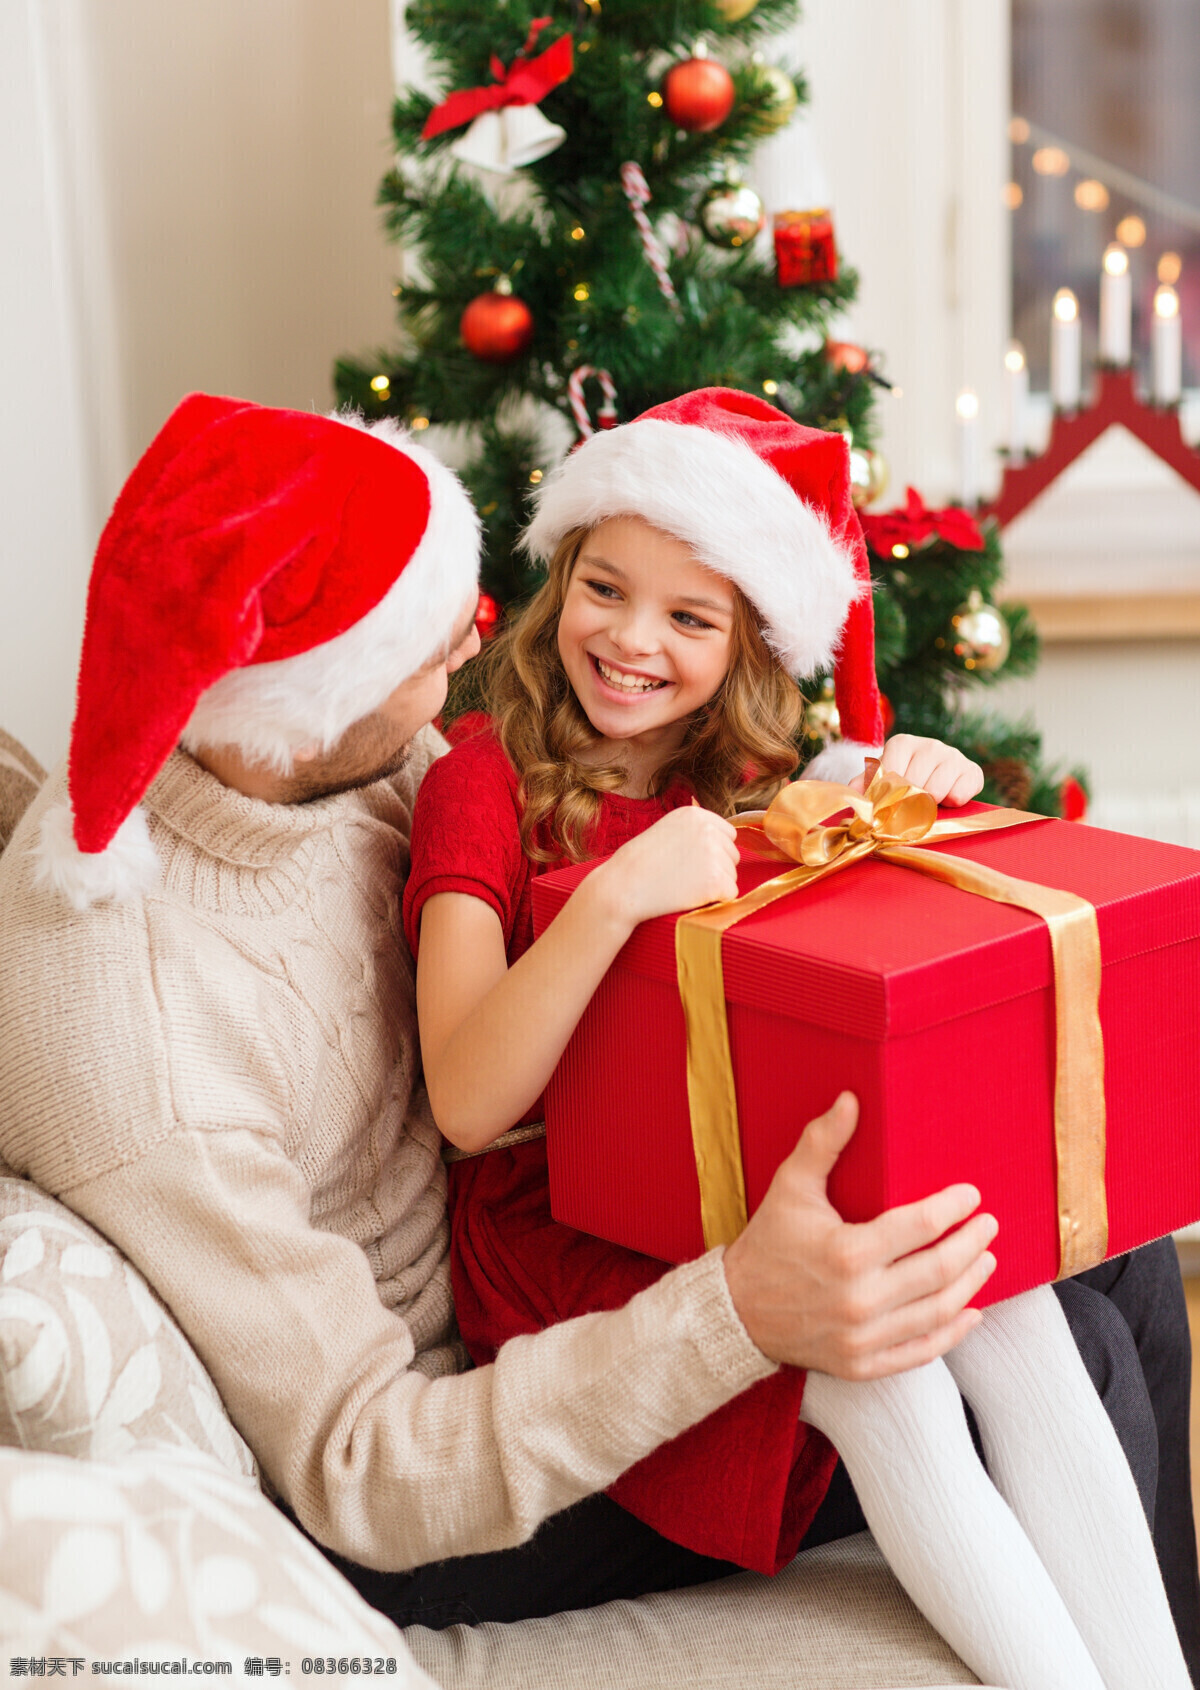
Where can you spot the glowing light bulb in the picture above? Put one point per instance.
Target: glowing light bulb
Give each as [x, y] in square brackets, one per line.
[1132, 231]
[1066, 306]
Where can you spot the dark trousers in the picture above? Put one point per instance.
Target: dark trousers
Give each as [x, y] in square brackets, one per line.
[1128, 1318]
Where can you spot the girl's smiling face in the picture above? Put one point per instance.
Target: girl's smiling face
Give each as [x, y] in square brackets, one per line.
[645, 632]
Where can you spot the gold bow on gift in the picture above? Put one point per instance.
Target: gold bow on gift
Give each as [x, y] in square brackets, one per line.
[895, 821]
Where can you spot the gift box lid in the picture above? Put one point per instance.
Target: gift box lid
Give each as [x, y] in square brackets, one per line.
[882, 951]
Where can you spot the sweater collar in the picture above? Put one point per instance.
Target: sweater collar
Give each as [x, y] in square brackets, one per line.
[233, 828]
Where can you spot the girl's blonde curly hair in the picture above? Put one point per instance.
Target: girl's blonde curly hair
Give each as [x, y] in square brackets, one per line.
[736, 754]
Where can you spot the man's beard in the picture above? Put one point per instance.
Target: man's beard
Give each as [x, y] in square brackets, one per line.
[364, 755]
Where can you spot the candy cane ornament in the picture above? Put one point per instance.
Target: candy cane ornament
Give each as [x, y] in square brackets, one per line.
[638, 195]
[606, 417]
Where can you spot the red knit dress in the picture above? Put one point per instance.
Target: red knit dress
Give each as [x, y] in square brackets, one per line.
[741, 1486]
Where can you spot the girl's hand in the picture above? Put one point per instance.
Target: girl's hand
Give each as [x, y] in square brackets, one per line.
[945, 774]
[686, 859]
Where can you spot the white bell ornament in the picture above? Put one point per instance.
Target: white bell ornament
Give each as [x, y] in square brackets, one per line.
[503, 141]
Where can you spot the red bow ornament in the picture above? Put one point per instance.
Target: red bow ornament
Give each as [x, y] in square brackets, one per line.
[916, 523]
[507, 130]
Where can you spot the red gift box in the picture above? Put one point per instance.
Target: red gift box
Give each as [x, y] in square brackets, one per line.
[936, 1008]
[805, 250]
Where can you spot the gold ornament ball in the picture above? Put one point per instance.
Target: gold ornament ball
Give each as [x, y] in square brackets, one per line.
[868, 476]
[731, 214]
[782, 99]
[980, 638]
[733, 11]
[822, 723]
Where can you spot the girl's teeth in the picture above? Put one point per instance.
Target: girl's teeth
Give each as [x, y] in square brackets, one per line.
[627, 683]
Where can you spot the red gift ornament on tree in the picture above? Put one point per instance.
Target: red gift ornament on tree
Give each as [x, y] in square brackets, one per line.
[805, 251]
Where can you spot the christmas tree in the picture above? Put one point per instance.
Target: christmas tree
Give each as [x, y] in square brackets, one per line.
[577, 230]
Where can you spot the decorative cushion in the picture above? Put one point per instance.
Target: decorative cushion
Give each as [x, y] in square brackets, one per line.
[91, 1362]
[20, 776]
[836, 1619]
[166, 1555]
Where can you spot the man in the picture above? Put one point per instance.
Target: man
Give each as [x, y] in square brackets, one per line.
[210, 1052]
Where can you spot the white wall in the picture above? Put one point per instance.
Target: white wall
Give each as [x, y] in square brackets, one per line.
[909, 102]
[49, 473]
[188, 200]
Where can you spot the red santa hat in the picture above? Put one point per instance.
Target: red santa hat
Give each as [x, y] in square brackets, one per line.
[266, 579]
[765, 503]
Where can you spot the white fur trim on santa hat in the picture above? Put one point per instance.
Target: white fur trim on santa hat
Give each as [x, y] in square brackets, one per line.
[741, 519]
[842, 761]
[127, 868]
[269, 710]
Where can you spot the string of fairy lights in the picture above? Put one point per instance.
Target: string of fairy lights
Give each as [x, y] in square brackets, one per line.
[1097, 181]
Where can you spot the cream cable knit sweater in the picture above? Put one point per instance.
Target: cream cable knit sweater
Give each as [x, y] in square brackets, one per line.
[223, 1078]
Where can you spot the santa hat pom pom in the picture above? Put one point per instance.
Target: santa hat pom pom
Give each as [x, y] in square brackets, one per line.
[842, 761]
[125, 869]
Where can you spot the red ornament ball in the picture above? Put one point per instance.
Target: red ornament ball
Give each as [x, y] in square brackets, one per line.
[698, 95]
[487, 616]
[1072, 800]
[496, 327]
[845, 355]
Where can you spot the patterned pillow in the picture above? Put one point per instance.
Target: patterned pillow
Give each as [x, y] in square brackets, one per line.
[91, 1362]
[164, 1556]
[20, 776]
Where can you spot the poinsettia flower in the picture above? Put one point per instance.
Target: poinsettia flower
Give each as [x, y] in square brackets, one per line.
[913, 523]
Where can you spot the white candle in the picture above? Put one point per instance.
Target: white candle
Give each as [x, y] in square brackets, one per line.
[967, 407]
[1016, 395]
[1066, 352]
[1167, 347]
[1116, 307]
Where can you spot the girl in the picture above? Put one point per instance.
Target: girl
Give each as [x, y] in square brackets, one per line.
[698, 558]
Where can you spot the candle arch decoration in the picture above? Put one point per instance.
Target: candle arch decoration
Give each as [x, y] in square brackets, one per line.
[1116, 404]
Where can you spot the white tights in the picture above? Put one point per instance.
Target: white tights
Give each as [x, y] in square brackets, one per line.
[1044, 1576]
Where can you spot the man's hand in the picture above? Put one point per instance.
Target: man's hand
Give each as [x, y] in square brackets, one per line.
[856, 1301]
[943, 772]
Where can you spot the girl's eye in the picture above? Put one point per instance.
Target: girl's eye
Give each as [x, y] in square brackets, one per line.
[605, 589]
[686, 619]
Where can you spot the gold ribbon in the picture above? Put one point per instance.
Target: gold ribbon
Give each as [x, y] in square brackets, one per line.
[895, 821]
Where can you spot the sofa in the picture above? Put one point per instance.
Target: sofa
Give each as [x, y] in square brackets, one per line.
[134, 1527]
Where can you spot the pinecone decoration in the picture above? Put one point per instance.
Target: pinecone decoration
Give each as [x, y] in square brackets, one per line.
[1012, 779]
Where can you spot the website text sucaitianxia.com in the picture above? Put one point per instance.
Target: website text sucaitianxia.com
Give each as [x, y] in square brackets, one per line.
[251, 1666]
